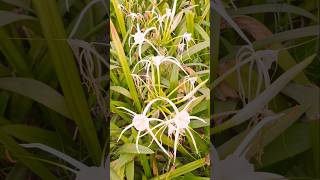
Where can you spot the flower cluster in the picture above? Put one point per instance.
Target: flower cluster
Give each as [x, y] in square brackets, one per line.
[162, 114]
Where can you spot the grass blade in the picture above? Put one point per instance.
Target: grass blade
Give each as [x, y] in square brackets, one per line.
[37, 91]
[124, 65]
[23, 155]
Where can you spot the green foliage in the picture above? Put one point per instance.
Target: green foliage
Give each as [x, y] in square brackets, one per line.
[44, 64]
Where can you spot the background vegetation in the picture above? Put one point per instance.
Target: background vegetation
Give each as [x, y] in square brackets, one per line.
[278, 43]
[53, 86]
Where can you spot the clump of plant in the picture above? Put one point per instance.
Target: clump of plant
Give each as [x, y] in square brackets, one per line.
[263, 115]
[160, 74]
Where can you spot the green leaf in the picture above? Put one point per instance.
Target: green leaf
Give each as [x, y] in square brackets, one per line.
[19, 3]
[18, 152]
[120, 19]
[131, 149]
[32, 134]
[4, 96]
[113, 174]
[18, 172]
[292, 142]
[264, 98]
[121, 90]
[130, 170]
[298, 92]
[288, 35]
[269, 132]
[8, 17]
[264, 8]
[36, 91]
[125, 65]
[182, 170]
[219, 8]
[195, 49]
[13, 54]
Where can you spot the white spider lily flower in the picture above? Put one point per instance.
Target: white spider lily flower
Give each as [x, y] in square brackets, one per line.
[134, 16]
[160, 19]
[171, 129]
[179, 123]
[187, 37]
[157, 61]
[181, 47]
[182, 121]
[141, 123]
[168, 12]
[139, 40]
[192, 81]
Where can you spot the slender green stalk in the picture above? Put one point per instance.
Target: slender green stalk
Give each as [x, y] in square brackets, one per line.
[125, 65]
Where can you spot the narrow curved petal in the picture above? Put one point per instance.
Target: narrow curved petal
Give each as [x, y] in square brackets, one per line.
[156, 140]
[141, 61]
[244, 144]
[164, 123]
[124, 130]
[152, 46]
[162, 132]
[58, 154]
[171, 103]
[176, 63]
[130, 52]
[137, 142]
[197, 118]
[146, 109]
[139, 50]
[193, 141]
[190, 94]
[128, 110]
[162, 128]
[188, 104]
[148, 30]
[176, 139]
[155, 119]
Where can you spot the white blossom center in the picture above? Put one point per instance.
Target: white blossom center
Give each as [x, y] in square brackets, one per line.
[140, 122]
[182, 119]
[139, 38]
[187, 36]
[157, 60]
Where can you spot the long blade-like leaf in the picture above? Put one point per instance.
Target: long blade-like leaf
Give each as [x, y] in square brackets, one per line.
[68, 75]
[257, 104]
